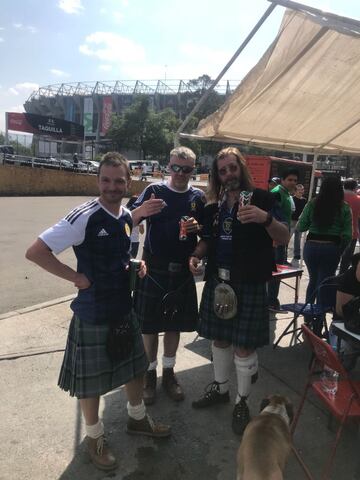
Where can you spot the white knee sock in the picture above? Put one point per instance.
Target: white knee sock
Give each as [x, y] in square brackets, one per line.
[245, 367]
[137, 412]
[153, 365]
[95, 431]
[222, 360]
[168, 362]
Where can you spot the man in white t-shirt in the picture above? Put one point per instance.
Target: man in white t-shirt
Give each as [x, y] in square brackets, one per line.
[104, 348]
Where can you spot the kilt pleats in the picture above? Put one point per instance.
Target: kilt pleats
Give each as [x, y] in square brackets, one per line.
[87, 371]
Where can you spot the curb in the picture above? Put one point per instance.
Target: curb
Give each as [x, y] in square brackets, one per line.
[39, 306]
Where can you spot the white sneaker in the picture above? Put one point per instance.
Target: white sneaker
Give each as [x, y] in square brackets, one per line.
[295, 263]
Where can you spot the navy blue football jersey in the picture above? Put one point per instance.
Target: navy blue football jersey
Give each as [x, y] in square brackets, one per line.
[163, 229]
[101, 243]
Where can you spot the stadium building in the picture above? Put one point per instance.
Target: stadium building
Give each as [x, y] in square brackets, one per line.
[92, 103]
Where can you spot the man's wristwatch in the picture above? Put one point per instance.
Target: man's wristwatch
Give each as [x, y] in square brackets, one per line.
[269, 219]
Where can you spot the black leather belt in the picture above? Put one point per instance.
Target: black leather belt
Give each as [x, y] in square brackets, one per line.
[156, 262]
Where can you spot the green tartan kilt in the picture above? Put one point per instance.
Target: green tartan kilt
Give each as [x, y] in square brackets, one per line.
[87, 371]
[249, 328]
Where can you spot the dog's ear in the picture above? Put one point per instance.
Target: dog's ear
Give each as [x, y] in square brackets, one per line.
[264, 403]
[290, 412]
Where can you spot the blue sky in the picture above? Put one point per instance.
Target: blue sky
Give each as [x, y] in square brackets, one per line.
[57, 41]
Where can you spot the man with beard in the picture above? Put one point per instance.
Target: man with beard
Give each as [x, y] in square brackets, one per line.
[166, 300]
[239, 230]
[99, 232]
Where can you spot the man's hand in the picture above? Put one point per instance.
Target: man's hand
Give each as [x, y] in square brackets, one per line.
[195, 266]
[143, 269]
[251, 214]
[191, 225]
[81, 281]
[152, 206]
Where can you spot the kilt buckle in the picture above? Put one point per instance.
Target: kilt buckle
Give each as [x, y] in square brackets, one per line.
[224, 274]
[175, 267]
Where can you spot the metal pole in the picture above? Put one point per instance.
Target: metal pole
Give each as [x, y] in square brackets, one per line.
[312, 176]
[306, 8]
[222, 73]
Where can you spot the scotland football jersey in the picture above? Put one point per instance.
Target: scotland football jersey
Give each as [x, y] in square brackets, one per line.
[162, 232]
[101, 243]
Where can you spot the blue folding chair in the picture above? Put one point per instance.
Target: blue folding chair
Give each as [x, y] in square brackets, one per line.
[314, 313]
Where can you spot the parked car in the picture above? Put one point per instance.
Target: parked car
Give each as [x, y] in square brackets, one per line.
[92, 166]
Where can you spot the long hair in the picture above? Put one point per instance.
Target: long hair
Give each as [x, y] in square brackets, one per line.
[329, 202]
[246, 182]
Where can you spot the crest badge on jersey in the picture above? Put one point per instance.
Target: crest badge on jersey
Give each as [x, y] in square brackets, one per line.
[127, 229]
[193, 206]
[227, 225]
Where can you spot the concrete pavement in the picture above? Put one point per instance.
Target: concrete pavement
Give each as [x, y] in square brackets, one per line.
[42, 431]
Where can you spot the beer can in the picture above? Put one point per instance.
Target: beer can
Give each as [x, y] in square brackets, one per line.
[245, 198]
[134, 268]
[183, 233]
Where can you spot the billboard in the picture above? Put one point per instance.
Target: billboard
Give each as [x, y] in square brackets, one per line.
[41, 125]
[88, 115]
[106, 115]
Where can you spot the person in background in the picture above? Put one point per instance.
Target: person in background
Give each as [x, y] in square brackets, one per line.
[99, 232]
[136, 231]
[75, 161]
[143, 172]
[349, 288]
[300, 202]
[238, 243]
[166, 299]
[350, 196]
[285, 204]
[328, 220]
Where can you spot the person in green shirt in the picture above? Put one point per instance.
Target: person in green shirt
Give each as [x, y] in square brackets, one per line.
[328, 220]
[289, 179]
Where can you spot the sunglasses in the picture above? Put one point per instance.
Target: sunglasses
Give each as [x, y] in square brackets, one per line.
[180, 168]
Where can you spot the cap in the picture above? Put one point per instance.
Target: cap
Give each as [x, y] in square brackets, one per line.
[275, 180]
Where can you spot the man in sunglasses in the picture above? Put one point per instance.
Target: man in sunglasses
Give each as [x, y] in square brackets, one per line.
[166, 300]
[237, 237]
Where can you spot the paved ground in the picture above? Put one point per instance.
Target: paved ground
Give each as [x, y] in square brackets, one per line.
[42, 430]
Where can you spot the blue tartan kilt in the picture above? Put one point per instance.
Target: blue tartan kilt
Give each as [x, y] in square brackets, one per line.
[150, 302]
[87, 371]
[249, 328]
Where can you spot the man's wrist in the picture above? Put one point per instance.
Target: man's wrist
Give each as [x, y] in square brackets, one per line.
[196, 255]
[268, 221]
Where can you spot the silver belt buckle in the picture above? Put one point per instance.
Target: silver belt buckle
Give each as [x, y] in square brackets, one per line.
[224, 274]
[175, 267]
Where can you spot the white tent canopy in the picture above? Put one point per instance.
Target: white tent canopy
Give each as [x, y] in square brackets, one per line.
[304, 93]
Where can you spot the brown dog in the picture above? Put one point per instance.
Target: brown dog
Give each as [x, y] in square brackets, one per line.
[266, 443]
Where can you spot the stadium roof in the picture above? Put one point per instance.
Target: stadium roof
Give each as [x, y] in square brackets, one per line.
[130, 87]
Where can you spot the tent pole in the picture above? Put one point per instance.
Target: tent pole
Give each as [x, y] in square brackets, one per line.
[223, 71]
[312, 175]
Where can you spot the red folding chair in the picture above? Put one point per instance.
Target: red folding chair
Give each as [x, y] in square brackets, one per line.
[345, 405]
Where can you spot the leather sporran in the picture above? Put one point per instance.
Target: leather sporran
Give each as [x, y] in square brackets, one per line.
[225, 301]
[120, 341]
[351, 313]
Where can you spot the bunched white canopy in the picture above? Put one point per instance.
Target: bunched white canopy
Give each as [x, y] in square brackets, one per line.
[304, 93]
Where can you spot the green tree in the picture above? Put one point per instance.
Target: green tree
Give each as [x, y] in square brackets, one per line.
[143, 129]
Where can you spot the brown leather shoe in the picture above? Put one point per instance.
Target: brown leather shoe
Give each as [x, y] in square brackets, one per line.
[171, 385]
[149, 393]
[100, 454]
[147, 426]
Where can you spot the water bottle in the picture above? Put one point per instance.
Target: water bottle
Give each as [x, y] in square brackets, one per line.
[329, 380]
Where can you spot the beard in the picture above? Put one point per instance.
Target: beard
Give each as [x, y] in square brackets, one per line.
[232, 185]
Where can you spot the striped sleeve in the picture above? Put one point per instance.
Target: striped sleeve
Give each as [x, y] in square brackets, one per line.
[69, 231]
